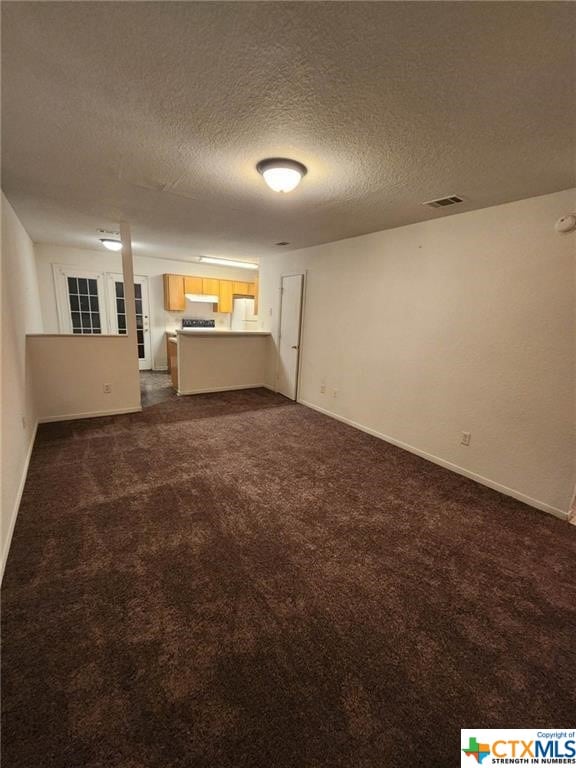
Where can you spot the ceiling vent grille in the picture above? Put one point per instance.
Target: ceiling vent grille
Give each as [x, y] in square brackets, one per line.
[444, 202]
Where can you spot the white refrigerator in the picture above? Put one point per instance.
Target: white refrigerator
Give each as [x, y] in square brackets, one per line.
[243, 317]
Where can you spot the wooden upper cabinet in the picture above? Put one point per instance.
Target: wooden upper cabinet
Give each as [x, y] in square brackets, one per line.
[193, 285]
[210, 286]
[174, 293]
[240, 288]
[256, 286]
[175, 286]
[225, 303]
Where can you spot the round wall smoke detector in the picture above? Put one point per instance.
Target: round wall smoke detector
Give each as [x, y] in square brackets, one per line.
[566, 223]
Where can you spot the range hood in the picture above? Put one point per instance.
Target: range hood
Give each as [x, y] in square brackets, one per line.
[204, 297]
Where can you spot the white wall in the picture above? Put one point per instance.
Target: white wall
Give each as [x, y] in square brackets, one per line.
[20, 315]
[105, 261]
[465, 323]
[69, 373]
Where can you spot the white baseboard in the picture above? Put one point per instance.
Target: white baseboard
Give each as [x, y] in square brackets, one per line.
[88, 415]
[17, 501]
[541, 505]
[220, 389]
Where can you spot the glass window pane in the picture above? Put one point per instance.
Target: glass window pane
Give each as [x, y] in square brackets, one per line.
[75, 319]
[120, 305]
[139, 321]
[76, 330]
[121, 330]
[94, 303]
[140, 335]
[86, 320]
[138, 306]
[84, 303]
[96, 318]
[82, 285]
[96, 329]
[121, 322]
[93, 287]
[120, 290]
[138, 290]
[72, 285]
[141, 351]
[74, 303]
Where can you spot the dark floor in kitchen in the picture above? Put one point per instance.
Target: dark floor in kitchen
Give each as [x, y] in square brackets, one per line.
[155, 387]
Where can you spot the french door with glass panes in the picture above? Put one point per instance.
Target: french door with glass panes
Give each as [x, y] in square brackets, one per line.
[80, 300]
[118, 314]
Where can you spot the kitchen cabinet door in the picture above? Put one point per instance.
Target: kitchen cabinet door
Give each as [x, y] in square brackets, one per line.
[174, 293]
[210, 286]
[256, 296]
[193, 285]
[225, 296]
[240, 288]
[173, 363]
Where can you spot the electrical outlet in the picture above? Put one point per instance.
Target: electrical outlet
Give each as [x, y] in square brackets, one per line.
[107, 389]
[465, 439]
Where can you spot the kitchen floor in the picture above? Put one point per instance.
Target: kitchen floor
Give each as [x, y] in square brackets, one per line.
[155, 387]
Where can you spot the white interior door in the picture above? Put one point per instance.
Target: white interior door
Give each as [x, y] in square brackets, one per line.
[118, 314]
[289, 342]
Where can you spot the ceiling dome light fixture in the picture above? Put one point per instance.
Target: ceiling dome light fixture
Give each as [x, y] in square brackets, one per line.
[280, 174]
[112, 245]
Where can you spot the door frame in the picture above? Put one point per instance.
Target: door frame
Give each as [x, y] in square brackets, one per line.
[114, 277]
[303, 275]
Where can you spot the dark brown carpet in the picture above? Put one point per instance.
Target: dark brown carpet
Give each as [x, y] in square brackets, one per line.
[233, 580]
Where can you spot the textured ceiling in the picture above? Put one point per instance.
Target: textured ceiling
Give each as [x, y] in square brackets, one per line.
[159, 112]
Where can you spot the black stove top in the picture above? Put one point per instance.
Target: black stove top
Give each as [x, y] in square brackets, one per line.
[194, 322]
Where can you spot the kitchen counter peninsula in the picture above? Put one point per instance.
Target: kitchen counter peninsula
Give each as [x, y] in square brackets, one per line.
[215, 361]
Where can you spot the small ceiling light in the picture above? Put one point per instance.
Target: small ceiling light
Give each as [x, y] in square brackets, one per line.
[112, 245]
[280, 174]
[229, 262]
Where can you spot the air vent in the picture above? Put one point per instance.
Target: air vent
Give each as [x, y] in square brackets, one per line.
[283, 242]
[444, 202]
